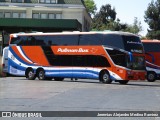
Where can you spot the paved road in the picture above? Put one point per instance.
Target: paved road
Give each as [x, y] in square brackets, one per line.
[17, 94]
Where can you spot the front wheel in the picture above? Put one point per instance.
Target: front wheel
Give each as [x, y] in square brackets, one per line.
[105, 77]
[41, 74]
[151, 76]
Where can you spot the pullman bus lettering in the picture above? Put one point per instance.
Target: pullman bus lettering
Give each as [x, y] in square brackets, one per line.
[73, 50]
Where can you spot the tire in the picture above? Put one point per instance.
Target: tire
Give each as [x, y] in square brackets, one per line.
[123, 82]
[58, 79]
[41, 74]
[151, 76]
[105, 77]
[30, 74]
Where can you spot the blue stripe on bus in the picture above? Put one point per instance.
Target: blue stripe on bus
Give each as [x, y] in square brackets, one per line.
[70, 70]
[18, 58]
[25, 54]
[72, 74]
[15, 65]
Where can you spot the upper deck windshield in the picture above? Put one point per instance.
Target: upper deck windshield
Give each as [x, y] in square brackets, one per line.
[129, 43]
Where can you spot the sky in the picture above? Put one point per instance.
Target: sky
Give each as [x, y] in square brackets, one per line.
[127, 10]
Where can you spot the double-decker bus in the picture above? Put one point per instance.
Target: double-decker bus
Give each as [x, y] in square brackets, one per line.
[77, 55]
[152, 53]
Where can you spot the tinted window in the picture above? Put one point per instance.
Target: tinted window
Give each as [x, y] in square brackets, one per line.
[23, 40]
[102, 62]
[92, 39]
[78, 60]
[151, 47]
[118, 57]
[126, 42]
[113, 40]
[69, 40]
[90, 61]
[46, 40]
[58, 40]
[62, 60]
[133, 44]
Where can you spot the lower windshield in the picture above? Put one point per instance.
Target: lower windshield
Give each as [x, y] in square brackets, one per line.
[137, 63]
[126, 60]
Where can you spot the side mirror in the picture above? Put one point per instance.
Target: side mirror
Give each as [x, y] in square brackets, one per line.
[130, 56]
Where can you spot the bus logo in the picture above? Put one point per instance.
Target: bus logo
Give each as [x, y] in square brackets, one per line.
[80, 50]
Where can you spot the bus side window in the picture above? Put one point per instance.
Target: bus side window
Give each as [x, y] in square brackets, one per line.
[102, 62]
[79, 60]
[62, 60]
[69, 39]
[151, 47]
[32, 40]
[90, 39]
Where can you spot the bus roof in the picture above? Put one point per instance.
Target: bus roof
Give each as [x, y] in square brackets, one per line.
[150, 41]
[74, 32]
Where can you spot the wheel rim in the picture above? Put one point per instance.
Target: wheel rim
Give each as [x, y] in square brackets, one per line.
[41, 75]
[151, 76]
[30, 74]
[105, 77]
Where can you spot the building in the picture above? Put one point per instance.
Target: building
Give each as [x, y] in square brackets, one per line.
[43, 16]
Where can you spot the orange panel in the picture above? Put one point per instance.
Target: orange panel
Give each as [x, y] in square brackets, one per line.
[19, 54]
[36, 54]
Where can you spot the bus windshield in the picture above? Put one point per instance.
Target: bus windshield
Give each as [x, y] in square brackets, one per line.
[129, 43]
[125, 60]
[136, 63]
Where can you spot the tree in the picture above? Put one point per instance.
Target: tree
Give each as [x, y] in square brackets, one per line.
[135, 28]
[152, 18]
[104, 18]
[90, 6]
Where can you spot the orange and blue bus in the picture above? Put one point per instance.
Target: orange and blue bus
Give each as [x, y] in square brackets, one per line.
[88, 55]
[152, 53]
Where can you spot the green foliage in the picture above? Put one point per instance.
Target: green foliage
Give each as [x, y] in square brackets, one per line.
[104, 18]
[90, 6]
[135, 28]
[152, 18]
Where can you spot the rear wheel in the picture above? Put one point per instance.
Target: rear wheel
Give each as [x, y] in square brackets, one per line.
[124, 82]
[58, 79]
[105, 77]
[41, 74]
[30, 74]
[151, 76]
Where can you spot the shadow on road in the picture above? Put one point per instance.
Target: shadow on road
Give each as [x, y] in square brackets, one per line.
[130, 83]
